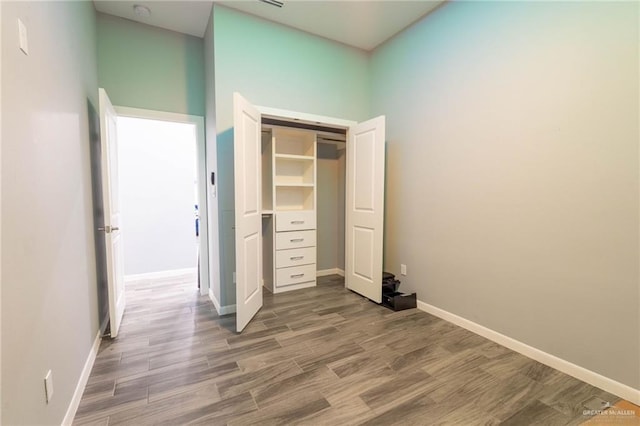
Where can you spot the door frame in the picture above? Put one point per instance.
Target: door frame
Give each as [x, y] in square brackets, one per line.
[198, 121]
[313, 119]
[298, 117]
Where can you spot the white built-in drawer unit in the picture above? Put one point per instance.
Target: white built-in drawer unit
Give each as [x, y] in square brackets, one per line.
[295, 275]
[295, 220]
[295, 257]
[295, 239]
[293, 197]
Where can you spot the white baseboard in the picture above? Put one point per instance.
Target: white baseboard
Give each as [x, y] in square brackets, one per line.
[580, 373]
[160, 274]
[82, 382]
[222, 310]
[325, 272]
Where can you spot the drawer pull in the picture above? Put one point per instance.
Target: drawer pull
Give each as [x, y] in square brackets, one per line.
[296, 257]
[296, 275]
[296, 240]
[297, 222]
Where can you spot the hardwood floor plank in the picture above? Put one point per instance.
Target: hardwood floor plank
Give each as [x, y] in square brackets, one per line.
[356, 384]
[417, 410]
[297, 409]
[96, 408]
[425, 355]
[364, 362]
[165, 409]
[282, 390]
[223, 356]
[217, 413]
[537, 413]
[566, 394]
[273, 357]
[99, 388]
[348, 411]
[398, 390]
[103, 421]
[244, 382]
[258, 336]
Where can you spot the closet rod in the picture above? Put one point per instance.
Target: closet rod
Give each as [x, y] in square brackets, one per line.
[306, 126]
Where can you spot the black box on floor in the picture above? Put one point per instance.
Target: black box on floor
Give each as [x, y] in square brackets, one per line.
[399, 301]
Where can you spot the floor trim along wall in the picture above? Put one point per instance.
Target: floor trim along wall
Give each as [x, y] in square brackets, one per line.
[82, 382]
[222, 310]
[581, 373]
[325, 272]
[160, 274]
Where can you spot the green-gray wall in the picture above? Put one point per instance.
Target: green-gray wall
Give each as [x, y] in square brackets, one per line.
[512, 172]
[49, 289]
[146, 67]
[280, 67]
[212, 159]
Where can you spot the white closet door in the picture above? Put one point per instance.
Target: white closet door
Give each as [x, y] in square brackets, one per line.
[248, 193]
[365, 208]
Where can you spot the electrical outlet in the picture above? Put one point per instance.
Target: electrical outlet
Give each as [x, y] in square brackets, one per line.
[403, 269]
[48, 386]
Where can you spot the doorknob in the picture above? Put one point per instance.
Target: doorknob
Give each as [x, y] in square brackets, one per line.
[108, 229]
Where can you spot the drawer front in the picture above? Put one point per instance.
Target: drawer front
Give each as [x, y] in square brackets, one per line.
[295, 275]
[295, 239]
[295, 257]
[295, 221]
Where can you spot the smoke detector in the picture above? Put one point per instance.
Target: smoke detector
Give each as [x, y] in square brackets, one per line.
[141, 11]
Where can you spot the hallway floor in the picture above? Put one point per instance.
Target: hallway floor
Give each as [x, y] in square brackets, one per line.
[315, 356]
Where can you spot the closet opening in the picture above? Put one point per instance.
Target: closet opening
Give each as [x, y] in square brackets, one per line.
[303, 203]
[297, 182]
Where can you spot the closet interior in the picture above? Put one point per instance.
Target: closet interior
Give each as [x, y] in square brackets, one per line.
[303, 203]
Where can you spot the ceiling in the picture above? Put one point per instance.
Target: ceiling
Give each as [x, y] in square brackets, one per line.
[362, 24]
[188, 17]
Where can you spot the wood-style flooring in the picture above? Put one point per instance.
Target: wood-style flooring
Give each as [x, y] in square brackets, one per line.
[318, 356]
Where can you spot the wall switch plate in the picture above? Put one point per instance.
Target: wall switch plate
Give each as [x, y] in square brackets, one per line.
[403, 269]
[22, 35]
[48, 386]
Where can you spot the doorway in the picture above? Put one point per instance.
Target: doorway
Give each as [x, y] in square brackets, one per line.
[162, 180]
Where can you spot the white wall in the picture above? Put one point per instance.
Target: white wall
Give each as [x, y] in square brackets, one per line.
[157, 175]
[326, 211]
[212, 160]
[512, 172]
[49, 300]
[330, 209]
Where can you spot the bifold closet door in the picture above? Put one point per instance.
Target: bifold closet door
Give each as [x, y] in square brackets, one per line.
[248, 192]
[365, 208]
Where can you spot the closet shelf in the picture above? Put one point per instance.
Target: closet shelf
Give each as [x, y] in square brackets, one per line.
[292, 209]
[294, 184]
[295, 157]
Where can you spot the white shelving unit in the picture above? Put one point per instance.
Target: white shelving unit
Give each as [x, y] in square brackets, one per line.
[289, 195]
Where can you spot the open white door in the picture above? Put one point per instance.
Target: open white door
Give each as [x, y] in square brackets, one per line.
[248, 192]
[111, 206]
[365, 208]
